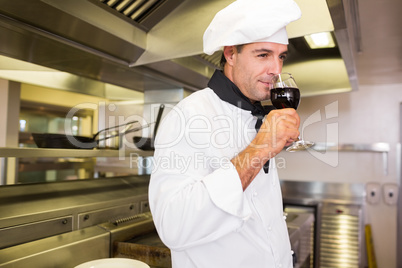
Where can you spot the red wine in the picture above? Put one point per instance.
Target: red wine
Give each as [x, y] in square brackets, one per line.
[288, 97]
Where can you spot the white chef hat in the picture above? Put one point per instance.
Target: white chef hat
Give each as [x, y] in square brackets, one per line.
[250, 21]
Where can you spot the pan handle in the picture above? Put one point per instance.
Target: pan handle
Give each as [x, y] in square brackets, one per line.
[128, 131]
[138, 128]
[125, 124]
[158, 118]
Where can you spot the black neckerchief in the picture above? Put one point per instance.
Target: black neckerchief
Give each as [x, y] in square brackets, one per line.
[229, 92]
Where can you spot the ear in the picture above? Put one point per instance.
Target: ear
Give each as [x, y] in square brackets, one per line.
[229, 52]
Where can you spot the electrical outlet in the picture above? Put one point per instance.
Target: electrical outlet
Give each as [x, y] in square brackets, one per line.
[390, 193]
[373, 191]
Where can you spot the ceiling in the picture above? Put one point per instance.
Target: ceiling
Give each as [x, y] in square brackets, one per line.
[138, 45]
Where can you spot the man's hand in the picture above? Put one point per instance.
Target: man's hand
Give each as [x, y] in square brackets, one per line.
[279, 129]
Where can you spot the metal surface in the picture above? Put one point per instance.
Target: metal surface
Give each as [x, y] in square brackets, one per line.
[66, 250]
[68, 223]
[60, 54]
[379, 147]
[120, 162]
[80, 37]
[310, 193]
[35, 230]
[73, 248]
[27, 165]
[342, 232]
[64, 23]
[39, 152]
[328, 201]
[28, 203]
[304, 246]
[3, 171]
[90, 218]
[101, 40]
[125, 229]
[338, 14]
[305, 206]
[146, 13]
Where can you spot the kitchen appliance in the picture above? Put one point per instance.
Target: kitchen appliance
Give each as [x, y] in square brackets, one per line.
[338, 208]
[63, 224]
[301, 228]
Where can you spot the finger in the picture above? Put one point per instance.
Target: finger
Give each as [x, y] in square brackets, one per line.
[278, 119]
[287, 129]
[291, 112]
[284, 112]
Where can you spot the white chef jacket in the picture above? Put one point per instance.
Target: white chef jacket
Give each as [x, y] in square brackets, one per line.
[196, 198]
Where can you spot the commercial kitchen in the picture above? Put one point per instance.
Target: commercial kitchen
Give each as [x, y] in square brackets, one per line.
[78, 67]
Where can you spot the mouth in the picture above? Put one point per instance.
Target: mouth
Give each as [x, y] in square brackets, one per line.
[268, 81]
[267, 84]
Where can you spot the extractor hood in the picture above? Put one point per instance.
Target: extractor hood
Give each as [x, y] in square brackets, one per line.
[157, 44]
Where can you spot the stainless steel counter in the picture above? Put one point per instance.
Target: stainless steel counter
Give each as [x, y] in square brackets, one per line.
[63, 224]
[24, 204]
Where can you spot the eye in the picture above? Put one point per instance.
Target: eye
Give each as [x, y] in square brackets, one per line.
[283, 57]
[264, 55]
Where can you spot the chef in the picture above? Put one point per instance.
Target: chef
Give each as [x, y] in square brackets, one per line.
[214, 193]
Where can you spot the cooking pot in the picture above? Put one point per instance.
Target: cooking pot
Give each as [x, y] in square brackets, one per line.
[63, 141]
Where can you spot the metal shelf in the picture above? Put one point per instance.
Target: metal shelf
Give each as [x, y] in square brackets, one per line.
[62, 153]
[379, 147]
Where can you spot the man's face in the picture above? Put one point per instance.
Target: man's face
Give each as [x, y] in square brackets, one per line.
[252, 69]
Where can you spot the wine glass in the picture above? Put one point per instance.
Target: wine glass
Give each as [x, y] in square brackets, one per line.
[286, 94]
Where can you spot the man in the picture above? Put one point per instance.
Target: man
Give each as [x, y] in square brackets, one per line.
[214, 193]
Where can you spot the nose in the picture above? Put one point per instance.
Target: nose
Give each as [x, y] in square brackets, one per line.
[276, 66]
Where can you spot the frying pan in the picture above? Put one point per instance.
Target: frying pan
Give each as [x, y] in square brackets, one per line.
[63, 141]
[145, 143]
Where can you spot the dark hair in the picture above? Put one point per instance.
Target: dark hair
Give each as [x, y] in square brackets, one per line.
[223, 59]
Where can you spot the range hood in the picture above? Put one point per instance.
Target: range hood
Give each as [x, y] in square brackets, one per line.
[157, 44]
